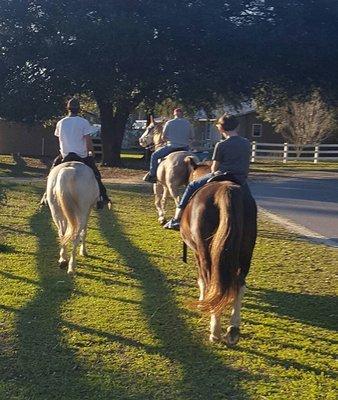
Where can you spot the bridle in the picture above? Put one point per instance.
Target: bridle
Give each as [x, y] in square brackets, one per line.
[153, 146]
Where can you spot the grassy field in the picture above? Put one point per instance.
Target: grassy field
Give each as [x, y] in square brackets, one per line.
[122, 328]
[293, 166]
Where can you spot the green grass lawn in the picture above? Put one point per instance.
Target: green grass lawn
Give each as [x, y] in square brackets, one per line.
[297, 166]
[122, 328]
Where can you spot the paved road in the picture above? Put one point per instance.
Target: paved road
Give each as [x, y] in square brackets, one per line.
[307, 199]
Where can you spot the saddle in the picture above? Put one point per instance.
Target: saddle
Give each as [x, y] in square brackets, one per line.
[226, 176]
[72, 157]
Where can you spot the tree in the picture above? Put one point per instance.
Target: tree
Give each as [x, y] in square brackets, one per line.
[299, 121]
[120, 53]
[124, 52]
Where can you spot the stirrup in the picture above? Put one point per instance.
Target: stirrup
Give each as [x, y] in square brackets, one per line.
[173, 224]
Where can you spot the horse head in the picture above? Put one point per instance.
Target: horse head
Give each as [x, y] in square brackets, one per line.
[197, 169]
[152, 135]
[147, 138]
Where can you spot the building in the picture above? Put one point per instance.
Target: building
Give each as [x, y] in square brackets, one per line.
[27, 140]
[251, 127]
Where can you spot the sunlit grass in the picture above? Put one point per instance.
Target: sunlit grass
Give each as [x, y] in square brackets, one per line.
[122, 329]
[279, 166]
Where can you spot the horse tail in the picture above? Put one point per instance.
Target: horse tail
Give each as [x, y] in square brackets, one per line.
[68, 204]
[225, 250]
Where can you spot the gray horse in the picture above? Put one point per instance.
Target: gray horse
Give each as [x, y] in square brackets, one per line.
[172, 173]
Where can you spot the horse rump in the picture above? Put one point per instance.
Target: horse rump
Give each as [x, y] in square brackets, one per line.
[224, 248]
[68, 202]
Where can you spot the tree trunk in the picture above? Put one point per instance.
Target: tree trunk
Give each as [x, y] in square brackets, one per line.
[112, 131]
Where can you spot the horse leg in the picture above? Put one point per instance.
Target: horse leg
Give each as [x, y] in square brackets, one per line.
[83, 247]
[201, 285]
[215, 328]
[164, 200]
[63, 258]
[158, 192]
[200, 280]
[83, 235]
[173, 190]
[232, 335]
[72, 260]
[79, 238]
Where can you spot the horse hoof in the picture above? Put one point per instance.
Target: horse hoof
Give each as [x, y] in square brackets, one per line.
[231, 338]
[214, 339]
[162, 221]
[63, 264]
[71, 272]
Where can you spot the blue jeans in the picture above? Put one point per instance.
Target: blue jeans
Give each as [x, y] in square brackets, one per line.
[161, 153]
[191, 189]
[197, 184]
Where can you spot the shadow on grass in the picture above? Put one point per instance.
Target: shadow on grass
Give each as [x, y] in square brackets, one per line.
[204, 373]
[44, 367]
[22, 171]
[310, 309]
[4, 248]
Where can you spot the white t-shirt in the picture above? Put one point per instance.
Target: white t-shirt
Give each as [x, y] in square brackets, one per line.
[71, 132]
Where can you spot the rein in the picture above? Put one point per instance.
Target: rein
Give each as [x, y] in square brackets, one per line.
[152, 147]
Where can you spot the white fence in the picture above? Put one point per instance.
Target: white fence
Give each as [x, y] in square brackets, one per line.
[277, 151]
[285, 152]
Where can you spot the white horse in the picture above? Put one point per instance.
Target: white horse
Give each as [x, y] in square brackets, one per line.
[173, 171]
[72, 191]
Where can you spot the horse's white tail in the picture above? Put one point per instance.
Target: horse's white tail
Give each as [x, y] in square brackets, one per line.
[68, 203]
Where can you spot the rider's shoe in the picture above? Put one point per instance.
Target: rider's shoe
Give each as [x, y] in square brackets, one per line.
[173, 224]
[149, 178]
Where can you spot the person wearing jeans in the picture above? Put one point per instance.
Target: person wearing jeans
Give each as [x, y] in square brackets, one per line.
[231, 156]
[178, 133]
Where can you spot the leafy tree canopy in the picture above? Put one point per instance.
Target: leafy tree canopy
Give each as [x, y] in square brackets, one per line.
[123, 52]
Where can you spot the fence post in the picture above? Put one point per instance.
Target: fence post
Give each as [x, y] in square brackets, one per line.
[285, 153]
[316, 155]
[253, 151]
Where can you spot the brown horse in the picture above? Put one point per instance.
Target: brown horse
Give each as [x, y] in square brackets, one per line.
[172, 173]
[219, 225]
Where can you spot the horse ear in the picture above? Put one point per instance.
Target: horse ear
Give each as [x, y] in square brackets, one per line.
[191, 161]
[151, 120]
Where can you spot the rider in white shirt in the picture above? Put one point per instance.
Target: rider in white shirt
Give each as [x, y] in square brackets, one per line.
[76, 144]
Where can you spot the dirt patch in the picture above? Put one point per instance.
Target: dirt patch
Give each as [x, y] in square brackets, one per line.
[30, 167]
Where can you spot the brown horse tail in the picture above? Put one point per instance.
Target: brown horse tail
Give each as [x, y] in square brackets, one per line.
[225, 250]
[68, 204]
